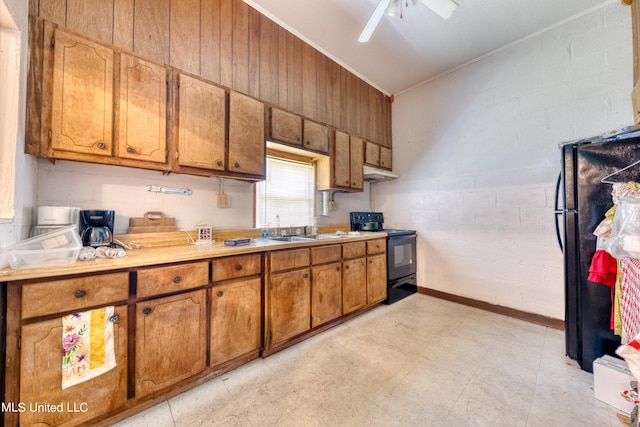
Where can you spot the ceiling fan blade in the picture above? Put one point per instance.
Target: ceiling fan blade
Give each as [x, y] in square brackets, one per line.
[373, 22]
[444, 8]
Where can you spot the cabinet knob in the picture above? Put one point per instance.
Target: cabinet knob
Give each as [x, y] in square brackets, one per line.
[346, 182]
[220, 293]
[236, 164]
[114, 318]
[131, 150]
[147, 310]
[337, 268]
[346, 266]
[308, 142]
[176, 279]
[101, 145]
[239, 267]
[298, 138]
[219, 163]
[306, 275]
[80, 293]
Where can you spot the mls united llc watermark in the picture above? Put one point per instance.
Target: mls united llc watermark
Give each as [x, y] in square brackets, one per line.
[44, 407]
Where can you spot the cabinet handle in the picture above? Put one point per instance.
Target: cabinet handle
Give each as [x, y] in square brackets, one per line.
[236, 164]
[239, 267]
[131, 150]
[114, 318]
[220, 293]
[101, 145]
[370, 261]
[382, 163]
[308, 142]
[219, 163]
[346, 266]
[306, 275]
[147, 310]
[337, 268]
[346, 182]
[298, 138]
[176, 279]
[80, 293]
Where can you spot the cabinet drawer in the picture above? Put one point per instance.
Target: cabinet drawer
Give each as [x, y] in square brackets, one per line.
[236, 266]
[288, 259]
[354, 250]
[163, 280]
[376, 246]
[57, 296]
[325, 254]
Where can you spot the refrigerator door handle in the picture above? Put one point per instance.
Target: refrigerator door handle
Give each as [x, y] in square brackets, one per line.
[558, 212]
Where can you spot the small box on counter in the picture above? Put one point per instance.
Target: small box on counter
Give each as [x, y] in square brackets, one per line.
[611, 377]
[152, 222]
[237, 242]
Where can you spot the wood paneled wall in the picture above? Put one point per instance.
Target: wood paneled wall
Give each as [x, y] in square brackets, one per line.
[232, 44]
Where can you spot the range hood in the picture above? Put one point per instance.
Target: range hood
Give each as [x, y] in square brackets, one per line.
[374, 174]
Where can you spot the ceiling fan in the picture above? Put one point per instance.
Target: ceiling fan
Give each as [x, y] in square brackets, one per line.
[444, 8]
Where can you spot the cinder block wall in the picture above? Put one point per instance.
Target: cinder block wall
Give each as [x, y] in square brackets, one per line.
[477, 151]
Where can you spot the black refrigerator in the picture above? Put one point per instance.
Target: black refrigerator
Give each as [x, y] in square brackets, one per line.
[582, 200]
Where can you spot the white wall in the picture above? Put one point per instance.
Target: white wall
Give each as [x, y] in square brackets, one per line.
[477, 151]
[14, 229]
[124, 190]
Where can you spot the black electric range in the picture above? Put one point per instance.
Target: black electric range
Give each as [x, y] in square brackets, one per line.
[401, 254]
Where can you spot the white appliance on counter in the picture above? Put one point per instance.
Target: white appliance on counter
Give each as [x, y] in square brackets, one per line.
[51, 218]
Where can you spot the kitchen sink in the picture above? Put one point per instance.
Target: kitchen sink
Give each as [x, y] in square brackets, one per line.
[304, 238]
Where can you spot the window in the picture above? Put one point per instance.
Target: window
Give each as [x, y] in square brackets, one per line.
[287, 192]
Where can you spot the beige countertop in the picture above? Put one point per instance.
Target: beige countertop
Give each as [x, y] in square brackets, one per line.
[164, 255]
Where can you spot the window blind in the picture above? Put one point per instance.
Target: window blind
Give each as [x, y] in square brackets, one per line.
[288, 192]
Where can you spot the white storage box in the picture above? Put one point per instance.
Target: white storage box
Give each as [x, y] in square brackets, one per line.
[58, 247]
[611, 376]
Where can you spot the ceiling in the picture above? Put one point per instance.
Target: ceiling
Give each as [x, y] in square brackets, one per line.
[405, 52]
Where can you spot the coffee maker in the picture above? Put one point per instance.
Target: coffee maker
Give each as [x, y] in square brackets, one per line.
[96, 227]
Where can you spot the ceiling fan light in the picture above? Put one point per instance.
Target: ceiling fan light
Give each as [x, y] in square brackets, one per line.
[444, 8]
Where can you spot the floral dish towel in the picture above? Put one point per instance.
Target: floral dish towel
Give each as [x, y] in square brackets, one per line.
[87, 345]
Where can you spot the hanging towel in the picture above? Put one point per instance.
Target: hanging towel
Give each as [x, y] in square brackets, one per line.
[87, 345]
[630, 298]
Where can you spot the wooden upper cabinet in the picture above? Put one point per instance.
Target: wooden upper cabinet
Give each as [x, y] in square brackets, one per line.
[376, 155]
[82, 97]
[246, 135]
[316, 136]
[142, 110]
[286, 127]
[356, 160]
[201, 114]
[342, 163]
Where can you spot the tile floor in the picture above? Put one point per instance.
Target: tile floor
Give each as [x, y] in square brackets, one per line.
[420, 362]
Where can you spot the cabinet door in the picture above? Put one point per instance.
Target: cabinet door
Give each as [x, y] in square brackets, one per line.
[286, 127]
[316, 137]
[289, 304]
[235, 320]
[82, 97]
[142, 110]
[385, 158]
[41, 376]
[371, 153]
[341, 168]
[376, 278]
[357, 148]
[246, 135]
[326, 293]
[201, 124]
[354, 285]
[171, 341]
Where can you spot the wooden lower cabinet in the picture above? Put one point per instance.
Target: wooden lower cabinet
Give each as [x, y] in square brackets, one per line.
[171, 340]
[41, 377]
[354, 285]
[289, 304]
[326, 293]
[376, 278]
[236, 319]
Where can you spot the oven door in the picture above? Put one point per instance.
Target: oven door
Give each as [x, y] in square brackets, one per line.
[401, 256]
